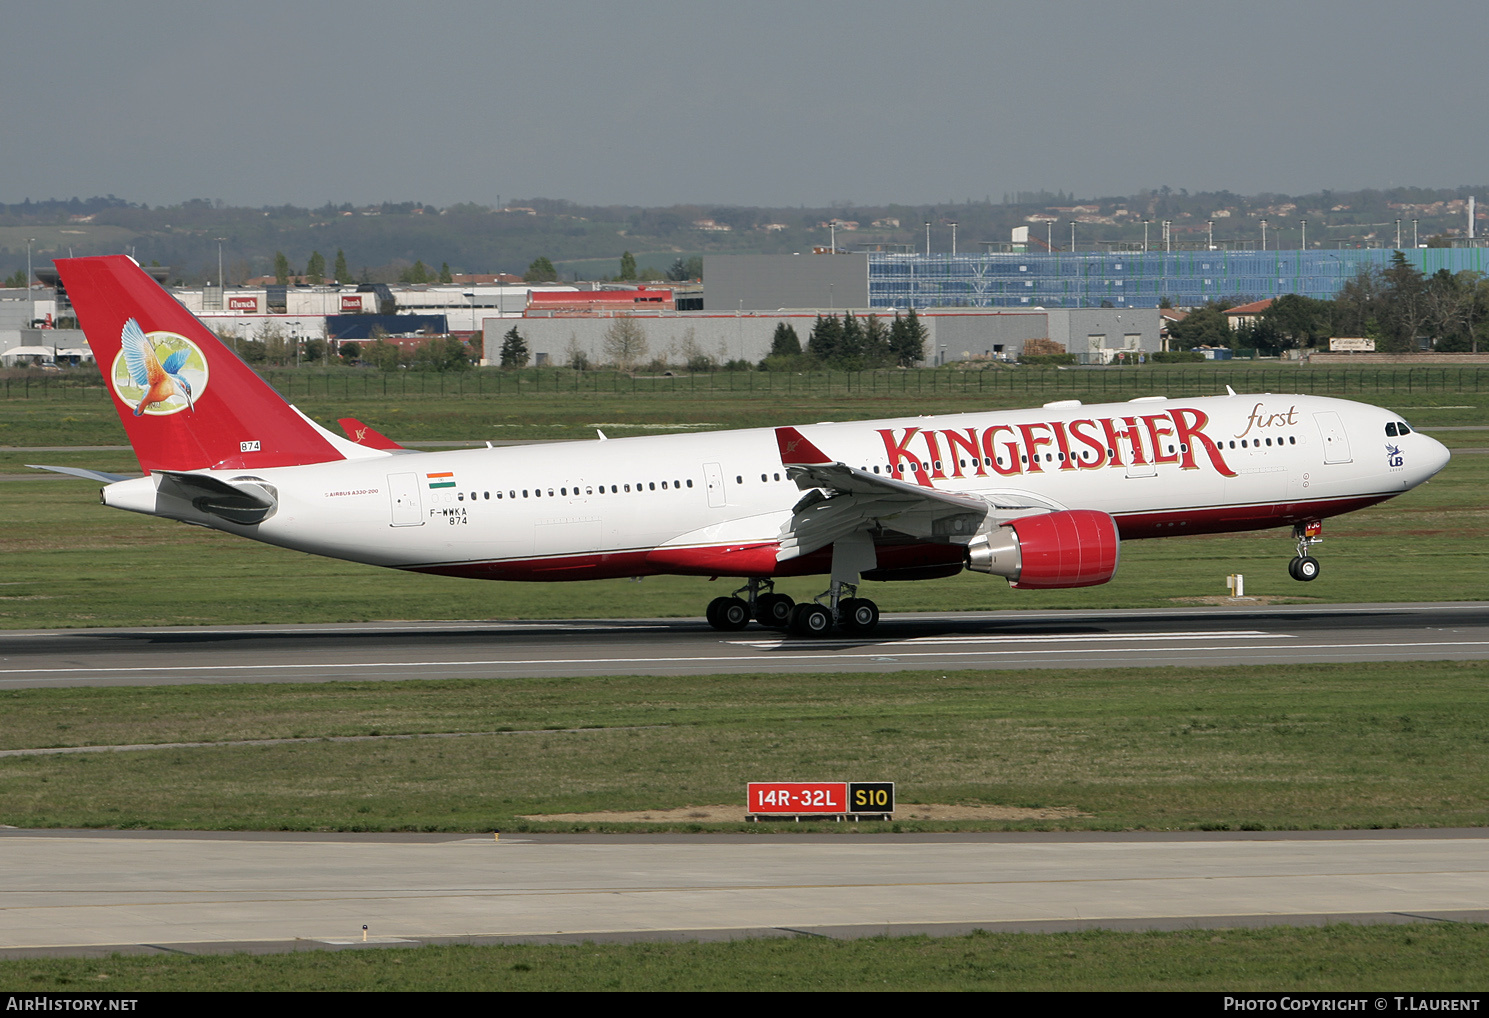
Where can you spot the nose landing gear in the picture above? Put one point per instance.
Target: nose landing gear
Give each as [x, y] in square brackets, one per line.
[1305, 566]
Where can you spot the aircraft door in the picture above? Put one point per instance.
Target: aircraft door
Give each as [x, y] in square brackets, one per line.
[1336, 440]
[403, 492]
[713, 476]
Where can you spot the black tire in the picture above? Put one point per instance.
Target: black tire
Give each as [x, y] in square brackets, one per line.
[728, 614]
[810, 619]
[734, 614]
[773, 611]
[858, 615]
[712, 612]
[1308, 568]
[1292, 568]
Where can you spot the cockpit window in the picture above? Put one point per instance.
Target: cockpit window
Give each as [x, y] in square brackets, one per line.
[1401, 426]
[1391, 429]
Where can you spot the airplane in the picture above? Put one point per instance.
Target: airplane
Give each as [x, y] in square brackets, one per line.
[1041, 497]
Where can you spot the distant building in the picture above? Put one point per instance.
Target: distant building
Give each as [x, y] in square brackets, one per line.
[1247, 314]
[603, 302]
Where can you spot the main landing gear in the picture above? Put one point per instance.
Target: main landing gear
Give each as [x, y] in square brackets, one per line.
[851, 614]
[733, 613]
[1305, 566]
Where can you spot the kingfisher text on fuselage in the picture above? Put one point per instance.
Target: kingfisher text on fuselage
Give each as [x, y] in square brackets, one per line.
[1173, 436]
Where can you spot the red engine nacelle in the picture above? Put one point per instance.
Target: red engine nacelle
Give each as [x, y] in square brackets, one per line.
[1071, 548]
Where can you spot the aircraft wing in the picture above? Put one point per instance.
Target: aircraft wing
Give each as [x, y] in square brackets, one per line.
[366, 434]
[864, 501]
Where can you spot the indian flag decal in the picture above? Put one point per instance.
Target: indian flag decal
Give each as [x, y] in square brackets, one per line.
[444, 480]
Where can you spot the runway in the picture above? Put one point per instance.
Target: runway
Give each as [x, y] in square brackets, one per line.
[1232, 634]
[164, 892]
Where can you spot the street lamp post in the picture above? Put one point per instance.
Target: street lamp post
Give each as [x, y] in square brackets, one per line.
[1414, 234]
[1210, 226]
[928, 237]
[30, 294]
[1398, 235]
[1264, 234]
[1145, 236]
[1072, 236]
[953, 239]
[220, 280]
[1304, 245]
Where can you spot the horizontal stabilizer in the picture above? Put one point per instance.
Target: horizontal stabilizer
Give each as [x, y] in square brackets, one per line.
[84, 472]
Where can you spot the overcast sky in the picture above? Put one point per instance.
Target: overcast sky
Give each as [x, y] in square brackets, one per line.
[745, 103]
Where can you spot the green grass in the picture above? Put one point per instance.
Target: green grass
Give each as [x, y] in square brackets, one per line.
[1340, 957]
[72, 408]
[1318, 746]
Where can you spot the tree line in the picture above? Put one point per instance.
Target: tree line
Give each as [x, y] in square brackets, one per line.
[846, 343]
[1397, 306]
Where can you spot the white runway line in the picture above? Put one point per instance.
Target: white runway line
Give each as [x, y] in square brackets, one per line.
[870, 655]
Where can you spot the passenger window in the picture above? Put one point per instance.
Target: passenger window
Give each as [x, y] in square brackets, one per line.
[652, 486]
[664, 485]
[675, 483]
[628, 488]
[762, 477]
[738, 479]
[690, 482]
[777, 476]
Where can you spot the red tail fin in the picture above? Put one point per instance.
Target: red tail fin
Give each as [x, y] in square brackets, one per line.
[187, 402]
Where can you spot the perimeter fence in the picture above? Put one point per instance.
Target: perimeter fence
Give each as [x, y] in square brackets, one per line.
[1087, 384]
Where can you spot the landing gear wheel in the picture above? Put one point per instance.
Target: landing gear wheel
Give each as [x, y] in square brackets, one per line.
[728, 613]
[810, 619]
[1306, 568]
[773, 611]
[858, 615]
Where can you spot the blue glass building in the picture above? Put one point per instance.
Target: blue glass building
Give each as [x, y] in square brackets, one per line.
[1133, 279]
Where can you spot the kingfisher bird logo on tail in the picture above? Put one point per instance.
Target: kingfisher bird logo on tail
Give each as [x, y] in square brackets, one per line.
[154, 384]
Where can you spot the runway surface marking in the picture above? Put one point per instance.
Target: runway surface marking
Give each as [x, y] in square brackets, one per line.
[876, 654]
[926, 641]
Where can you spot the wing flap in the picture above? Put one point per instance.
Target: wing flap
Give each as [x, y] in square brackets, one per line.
[864, 501]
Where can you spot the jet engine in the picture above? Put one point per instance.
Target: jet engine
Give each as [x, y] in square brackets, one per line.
[1070, 548]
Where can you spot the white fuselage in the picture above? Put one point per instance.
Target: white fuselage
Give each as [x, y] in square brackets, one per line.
[581, 510]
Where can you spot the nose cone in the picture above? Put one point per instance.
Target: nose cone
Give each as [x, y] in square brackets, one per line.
[1435, 455]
